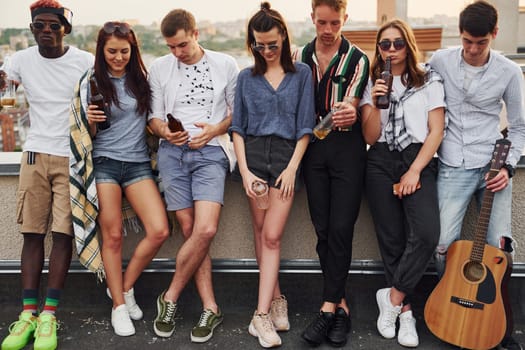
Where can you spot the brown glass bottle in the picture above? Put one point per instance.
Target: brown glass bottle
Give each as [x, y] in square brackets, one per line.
[98, 100]
[383, 102]
[174, 124]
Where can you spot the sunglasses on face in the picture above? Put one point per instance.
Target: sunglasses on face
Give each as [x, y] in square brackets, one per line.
[385, 45]
[261, 47]
[112, 27]
[53, 26]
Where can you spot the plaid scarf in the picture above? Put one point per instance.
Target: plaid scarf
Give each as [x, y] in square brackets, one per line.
[396, 134]
[82, 187]
[83, 190]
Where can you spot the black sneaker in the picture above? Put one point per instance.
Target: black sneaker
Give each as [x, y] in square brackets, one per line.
[317, 331]
[337, 334]
[509, 343]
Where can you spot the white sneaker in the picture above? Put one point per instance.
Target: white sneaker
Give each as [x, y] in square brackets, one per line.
[121, 322]
[386, 322]
[129, 297]
[407, 335]
[262, 327]
[279, 314]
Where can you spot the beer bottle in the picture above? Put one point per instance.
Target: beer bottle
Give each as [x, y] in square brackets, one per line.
[383, 102]
[98, 100]
[174, 124]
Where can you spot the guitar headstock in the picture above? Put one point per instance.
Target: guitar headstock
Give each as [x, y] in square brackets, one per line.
[499, 155]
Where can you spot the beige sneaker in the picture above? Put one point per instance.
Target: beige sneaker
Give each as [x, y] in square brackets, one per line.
[262, 327]
[279, 314]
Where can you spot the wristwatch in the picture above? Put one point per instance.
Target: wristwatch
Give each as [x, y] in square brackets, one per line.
[510, 169]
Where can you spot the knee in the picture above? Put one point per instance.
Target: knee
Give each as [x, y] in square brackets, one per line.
[112, 240]
[159, 236]
[62, 240]
[206, 232]
[272, 241]
[440, 258]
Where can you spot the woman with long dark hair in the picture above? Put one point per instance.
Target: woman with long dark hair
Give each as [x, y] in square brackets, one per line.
[122, 165]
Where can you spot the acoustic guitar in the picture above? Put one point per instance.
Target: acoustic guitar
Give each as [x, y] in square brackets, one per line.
[466, 307]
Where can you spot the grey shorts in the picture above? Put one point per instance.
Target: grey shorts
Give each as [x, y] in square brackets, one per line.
[267, 157]
[190, 175]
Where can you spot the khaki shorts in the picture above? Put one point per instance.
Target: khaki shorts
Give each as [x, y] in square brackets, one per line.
[43, 195]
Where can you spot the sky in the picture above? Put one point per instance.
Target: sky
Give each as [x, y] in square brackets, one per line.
[15, 13]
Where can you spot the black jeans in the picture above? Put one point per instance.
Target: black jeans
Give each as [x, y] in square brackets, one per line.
[407, 229]
[333, 171]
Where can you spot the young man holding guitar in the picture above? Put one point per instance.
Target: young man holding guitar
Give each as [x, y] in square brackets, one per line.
[477, 80]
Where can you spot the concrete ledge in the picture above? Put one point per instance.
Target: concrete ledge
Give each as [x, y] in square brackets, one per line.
[358, 267]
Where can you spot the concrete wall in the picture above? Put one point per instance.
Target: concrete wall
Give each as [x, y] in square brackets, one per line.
[234, 240]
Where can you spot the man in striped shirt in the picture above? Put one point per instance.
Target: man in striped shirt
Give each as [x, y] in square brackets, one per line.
[477, 82]
[334, 167]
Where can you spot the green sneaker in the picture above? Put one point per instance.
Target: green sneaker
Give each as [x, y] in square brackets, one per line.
[46, 332]
[20, 332]
[203, 331]
[164, 324]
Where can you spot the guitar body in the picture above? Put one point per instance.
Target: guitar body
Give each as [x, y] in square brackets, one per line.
[466, 307]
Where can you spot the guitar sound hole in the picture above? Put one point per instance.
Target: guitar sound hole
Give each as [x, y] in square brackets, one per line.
[474, 271]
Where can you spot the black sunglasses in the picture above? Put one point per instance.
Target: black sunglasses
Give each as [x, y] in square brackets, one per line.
[41, 25]
[112, 27]
[261, 47]
[399, 44]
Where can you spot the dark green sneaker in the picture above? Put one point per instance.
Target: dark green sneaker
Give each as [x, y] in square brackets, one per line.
[46, 332]
[203, 331]
[164, 324]
[20, 332]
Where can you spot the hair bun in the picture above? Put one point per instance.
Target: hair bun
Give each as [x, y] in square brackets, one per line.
[265, 6]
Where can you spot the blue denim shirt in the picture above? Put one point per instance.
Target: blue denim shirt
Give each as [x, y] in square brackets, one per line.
[260, 110]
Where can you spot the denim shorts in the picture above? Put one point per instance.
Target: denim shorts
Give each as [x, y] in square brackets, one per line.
[267, 157]
[121, 173]
[190, 175]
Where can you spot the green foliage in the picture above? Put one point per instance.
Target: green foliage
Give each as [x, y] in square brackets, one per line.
[150, 40]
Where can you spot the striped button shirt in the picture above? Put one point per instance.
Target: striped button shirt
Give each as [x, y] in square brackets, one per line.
[346, 75]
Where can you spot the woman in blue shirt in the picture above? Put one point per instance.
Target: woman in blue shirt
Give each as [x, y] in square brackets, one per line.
[122, 166]
[271, 127]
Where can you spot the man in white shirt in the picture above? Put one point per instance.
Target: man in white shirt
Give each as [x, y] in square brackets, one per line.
[49, 72]
[196, 86]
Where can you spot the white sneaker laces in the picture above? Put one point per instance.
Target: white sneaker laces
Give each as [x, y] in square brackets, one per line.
[203, 321]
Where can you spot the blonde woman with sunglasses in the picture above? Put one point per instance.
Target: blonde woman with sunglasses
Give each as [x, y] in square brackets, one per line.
[403, 138]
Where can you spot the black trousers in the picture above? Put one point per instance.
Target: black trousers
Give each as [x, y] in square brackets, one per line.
[333, 171]
[407, 229]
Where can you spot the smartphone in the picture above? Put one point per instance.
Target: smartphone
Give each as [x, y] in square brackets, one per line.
[174, 124]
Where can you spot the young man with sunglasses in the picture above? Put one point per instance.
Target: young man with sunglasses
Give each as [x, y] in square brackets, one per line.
[49, 72]
[334, 167]
[196, 86]
[477, 81]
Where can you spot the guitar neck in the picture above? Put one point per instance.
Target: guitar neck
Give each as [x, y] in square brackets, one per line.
[480, 232]
[499, 155]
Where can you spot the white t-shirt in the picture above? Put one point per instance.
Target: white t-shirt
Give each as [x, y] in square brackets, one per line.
[49, 84]
[416, 107]
[195, 95]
